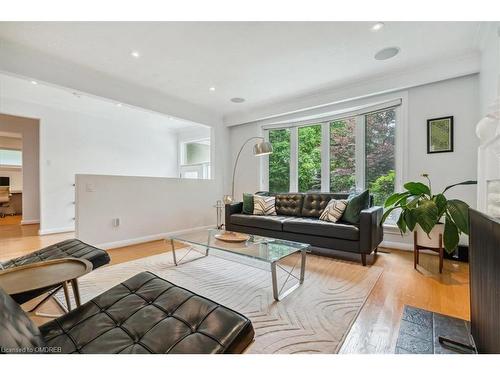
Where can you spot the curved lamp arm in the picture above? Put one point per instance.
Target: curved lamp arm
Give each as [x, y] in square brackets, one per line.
[238, 157]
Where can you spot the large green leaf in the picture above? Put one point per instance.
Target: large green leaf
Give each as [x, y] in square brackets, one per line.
[459, 212]
[470, 182]
[412, 201]
[386, 214]
[401, 224]
[393, 199]
[417, 188]
[441, 202]
[427, 215]
[410, 217]
[450, 235]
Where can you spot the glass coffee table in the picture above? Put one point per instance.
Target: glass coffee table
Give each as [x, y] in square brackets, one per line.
[269, 250]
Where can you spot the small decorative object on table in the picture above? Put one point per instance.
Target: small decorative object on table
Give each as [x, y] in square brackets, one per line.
[423, 213]
[232, 237]
[219, 206]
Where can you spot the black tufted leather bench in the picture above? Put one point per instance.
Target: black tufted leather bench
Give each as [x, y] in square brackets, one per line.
[71, 248]
[144, 314]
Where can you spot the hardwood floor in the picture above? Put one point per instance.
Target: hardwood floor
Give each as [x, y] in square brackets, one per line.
[376, 328]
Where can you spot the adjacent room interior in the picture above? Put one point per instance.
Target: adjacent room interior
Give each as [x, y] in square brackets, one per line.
[268, 188]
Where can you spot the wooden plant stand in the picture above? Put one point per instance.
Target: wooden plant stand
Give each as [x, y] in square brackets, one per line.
[417, 248]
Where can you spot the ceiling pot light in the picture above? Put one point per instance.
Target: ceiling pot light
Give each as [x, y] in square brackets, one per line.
[34, 82]
[387, 53]
[237, 100]
[211, 89]
[378, 26]
[118, 104]
[135, 54]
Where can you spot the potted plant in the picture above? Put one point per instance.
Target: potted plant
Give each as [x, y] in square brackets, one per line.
[432, 214]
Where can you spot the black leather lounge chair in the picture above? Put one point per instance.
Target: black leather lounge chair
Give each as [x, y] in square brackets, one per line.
[145, 314]
[72, 248]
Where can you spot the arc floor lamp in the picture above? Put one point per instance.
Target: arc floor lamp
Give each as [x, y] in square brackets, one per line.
[259, 149]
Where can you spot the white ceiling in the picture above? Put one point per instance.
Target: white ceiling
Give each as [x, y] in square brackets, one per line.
[262, 62]
[69, 100]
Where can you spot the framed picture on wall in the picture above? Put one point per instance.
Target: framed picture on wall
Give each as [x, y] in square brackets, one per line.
[440, 135]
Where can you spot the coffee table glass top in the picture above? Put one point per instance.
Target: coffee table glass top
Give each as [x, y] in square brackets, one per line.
[257, 247]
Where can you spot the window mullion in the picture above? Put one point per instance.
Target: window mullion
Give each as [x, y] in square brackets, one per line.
[325, 157]
[360, 152]
[294, 159]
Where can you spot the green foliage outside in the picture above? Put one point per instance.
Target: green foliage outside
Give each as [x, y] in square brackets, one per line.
[382, 188]
[379, 162]
[342, 156]
[309, 158]
[279, 161]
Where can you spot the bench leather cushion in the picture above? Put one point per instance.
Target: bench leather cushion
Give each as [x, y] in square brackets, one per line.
[316, 227]
[258, 221]
[72, 248]
[147, 314]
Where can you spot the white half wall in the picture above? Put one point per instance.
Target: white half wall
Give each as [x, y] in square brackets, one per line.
[72, 142]
[148, 207]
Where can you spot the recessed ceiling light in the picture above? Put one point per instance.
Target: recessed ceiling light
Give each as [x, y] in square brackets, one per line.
[211, 89]
[387, 53]
[118, 104]
[378, 26]
[34, 82]
[135, 54]
[237, 100]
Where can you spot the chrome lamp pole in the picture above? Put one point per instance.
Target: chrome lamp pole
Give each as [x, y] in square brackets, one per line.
[259, 149]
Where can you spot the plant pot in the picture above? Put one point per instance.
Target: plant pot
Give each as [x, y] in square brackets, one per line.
[431, 240]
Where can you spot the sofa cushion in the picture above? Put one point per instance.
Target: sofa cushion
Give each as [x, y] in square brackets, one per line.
[316, 227]
[264, 205]
[315, 203]
[257, 221]
[355, 205]
[289, 204]
[147, 314]
[247, 203]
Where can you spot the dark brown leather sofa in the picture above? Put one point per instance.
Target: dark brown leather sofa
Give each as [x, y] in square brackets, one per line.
[297, 219]
[144, 314]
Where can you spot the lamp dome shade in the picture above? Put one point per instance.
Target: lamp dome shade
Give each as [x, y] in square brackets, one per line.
[262, 148]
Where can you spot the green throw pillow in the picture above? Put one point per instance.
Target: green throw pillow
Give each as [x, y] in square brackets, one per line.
[248, 203]
[354, 207]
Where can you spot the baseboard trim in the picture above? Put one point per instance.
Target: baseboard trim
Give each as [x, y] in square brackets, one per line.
[149, 238]
[397, 245]
[43, 232]
[28, 222]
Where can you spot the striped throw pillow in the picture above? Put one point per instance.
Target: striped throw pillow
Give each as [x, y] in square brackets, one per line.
[334, 210]
[264, 205]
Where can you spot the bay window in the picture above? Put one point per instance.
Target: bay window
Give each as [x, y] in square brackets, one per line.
[339, 155]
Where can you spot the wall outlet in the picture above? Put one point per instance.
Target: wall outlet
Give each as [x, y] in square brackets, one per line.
[116, 222]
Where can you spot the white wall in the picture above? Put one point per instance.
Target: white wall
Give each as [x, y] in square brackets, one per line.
[148, 207]
[489, 76]
[72, 142]
[457, 97]
[29, 128]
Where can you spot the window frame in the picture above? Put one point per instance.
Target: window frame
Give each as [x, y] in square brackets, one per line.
[12, 166]
[398, 103]
[203, 168]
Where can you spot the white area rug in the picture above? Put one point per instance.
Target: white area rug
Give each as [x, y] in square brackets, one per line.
[315, 318]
